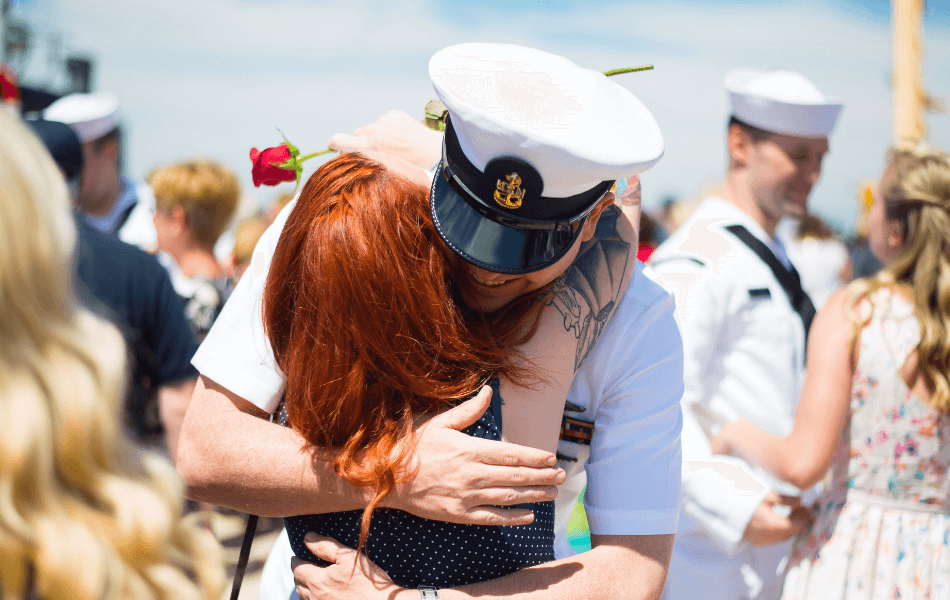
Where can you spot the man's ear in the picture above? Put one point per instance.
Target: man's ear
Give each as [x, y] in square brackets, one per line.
[739, 144]
[178, 217]
[111, 149]
[590, 226]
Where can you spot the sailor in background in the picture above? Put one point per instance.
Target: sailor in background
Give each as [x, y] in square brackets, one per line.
[744, 319]
[108, 201]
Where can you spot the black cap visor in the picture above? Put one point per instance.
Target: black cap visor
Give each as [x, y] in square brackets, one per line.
[470, 232]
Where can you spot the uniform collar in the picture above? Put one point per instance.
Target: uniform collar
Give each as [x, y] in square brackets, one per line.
[715, 206]
[109, 224]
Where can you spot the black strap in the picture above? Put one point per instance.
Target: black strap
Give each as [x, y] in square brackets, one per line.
[30, 591]
[788, 278]
[279, 416]
[123, 217]
[244, 556]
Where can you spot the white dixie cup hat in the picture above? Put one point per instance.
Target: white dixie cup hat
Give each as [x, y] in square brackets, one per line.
[781, 102]
[532, 142]
[90, 115]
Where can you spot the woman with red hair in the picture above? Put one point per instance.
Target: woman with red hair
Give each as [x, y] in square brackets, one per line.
[374, 333]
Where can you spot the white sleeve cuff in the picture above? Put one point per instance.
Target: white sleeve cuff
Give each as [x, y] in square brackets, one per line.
[632, 522]
[720, 497]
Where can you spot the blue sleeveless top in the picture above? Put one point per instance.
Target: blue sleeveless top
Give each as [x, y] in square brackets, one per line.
[414, 551]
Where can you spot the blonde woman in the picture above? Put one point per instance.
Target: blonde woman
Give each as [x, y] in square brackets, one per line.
[876, 407]
[84, 513]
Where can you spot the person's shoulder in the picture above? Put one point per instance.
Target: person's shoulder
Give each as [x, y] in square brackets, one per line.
[644, 301]
[702, 242]
[116, 257]
[641, 335]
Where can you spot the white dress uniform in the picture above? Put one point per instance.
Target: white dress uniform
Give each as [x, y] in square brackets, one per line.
[744, 350]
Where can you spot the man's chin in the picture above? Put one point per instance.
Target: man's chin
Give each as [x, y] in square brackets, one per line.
[797, 208]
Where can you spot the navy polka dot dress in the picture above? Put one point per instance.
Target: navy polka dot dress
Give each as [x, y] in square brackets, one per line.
[414, 551]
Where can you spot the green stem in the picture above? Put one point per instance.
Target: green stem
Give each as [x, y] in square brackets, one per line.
[628, 70]
[303, 158]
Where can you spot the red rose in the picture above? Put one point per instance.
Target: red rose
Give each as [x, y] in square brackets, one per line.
[267, 169]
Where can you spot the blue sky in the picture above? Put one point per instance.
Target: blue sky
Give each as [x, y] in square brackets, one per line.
[215, 77]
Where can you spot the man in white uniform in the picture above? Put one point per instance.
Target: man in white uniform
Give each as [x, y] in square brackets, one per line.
[622, 418]
[744, 318]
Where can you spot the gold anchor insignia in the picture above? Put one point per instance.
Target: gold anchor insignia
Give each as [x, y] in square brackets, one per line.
[509, 193]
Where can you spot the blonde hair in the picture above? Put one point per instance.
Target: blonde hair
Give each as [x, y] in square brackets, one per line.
[92, 515]
[918, 197]
[208, 193]
[246, 236]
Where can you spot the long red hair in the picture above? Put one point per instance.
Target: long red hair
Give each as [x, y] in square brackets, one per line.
[365, 323]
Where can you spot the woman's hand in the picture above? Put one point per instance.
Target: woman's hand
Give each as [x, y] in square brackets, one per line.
[341, 580]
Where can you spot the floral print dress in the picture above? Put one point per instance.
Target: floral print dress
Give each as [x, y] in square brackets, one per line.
[883, 527]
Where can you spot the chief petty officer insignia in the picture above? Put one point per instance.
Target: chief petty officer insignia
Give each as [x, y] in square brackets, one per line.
[509, 193]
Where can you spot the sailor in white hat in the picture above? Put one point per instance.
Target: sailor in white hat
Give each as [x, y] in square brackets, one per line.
[744, 319]
[108, 201]
[532, 148]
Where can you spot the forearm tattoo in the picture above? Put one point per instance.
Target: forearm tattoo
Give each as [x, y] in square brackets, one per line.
[587, 293]
[632, 195]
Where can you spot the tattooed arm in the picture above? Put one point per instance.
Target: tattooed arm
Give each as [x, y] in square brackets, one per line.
[583, 300]
[629, 201]
[589, 290]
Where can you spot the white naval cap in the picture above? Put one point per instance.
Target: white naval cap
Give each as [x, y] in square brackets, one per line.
[576, 126]
[90, 115]
[532, 142]
[781, 102]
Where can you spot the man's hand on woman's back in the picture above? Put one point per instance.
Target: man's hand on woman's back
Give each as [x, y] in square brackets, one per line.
[463, 479]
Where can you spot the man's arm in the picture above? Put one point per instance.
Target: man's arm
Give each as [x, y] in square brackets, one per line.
[230, 455]
[630, 567]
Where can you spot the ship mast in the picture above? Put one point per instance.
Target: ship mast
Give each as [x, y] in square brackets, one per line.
[909, 98]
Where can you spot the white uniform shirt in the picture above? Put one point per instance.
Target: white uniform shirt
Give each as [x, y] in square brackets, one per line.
[631, 382]
[744, 359]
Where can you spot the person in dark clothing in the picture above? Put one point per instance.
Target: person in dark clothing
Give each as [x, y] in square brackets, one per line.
[131, 288]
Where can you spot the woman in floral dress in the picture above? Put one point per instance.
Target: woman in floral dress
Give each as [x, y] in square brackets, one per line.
[875, 405]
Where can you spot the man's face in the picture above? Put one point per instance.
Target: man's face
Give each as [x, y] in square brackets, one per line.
[782, 171]
[98, 173]
[489, 291]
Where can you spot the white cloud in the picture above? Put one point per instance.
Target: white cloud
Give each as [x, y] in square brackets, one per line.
[214, 77]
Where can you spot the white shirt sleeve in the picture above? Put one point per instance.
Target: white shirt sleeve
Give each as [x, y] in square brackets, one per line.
[720, 493]
[633, 472]
[236, 353]
[139, 228]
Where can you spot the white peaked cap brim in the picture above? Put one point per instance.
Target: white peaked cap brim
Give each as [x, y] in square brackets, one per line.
[90, 115]
[781, 102]
[574, 125]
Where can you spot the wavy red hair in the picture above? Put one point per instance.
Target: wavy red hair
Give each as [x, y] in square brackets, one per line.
[363, 319]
